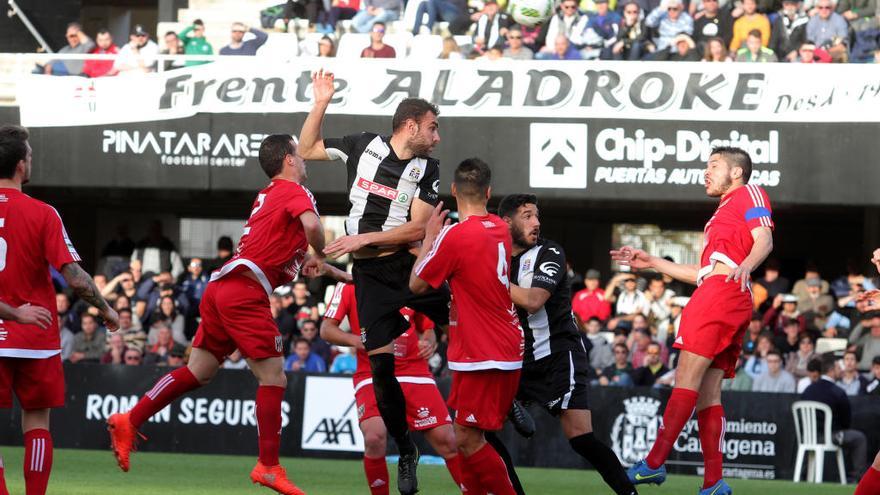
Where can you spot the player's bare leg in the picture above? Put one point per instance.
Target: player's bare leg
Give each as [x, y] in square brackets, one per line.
[482, 469]
[392, 407]
[870, 483]
[688, 380]
[273, 382]
[710, 418]
[37, 450]
[577, 424]
[375, 445]
[124, 427]
[442, 438]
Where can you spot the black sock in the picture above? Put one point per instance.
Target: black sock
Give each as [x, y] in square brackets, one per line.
[390, 401]
[499, 447]
[603, 459]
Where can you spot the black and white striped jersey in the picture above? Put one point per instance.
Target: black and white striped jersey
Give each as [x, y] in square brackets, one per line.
[382, 186]
[552, 328]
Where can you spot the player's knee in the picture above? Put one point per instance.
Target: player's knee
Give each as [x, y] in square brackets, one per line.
[446, 445]
[375, 443]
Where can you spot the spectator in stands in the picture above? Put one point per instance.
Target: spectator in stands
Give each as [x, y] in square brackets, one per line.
[326, 47]
[873, 386]
[302, 359]
[716, 51]
[601, 354]
[667, 328]
[455, 12]
[590, 302]
[376, 11]
[836, 325]
[772, 282]
[344, 362]
[774, 378]
[598, 32]
[133, 357]
[116, 254]
[564, 21]
[67, 339]
[318, 345]
[750, 20]
[750, 340]
[742, 382]
[826, 26]
[669, 20]
[796, 362]
[757, 362]
[451, 50]
[814, 372]
[753, 51]
[235, 361]
[115, 353]
[683, 49]
[788, 33]
[304, 306]
[105, 46]
[138, 55]
[122, 285]
[132, 335]
[88, 345]
[632, 36]
[167, 312]
[224, 253]
[239, 46]
[177, 356]
[173, 46]
[286, 322]
[157, 253]
[194, 42]
[515, 48]
[868, 344]
[307, 9]
[640, 343]
[491, 27]
[784, 308]
[853, 442]
[341, 10]
[631, 300]
[194, 282]
[653, 368]
[659, 299]
[78, 43]
[619, 372]
[62, 307]
[712, 22]
[377, 47]
[152, 291]
[789, 341]
[800, 287]
[815, 301]
[850, 380]
[158, 352]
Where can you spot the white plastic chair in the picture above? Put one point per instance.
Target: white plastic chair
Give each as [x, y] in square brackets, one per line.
[283, 46]
[806, 425]
[352, 44]
[426, 46]
[825, 344]
[399, 41]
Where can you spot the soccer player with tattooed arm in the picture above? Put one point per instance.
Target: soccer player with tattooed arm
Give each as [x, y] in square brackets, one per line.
[33, 238]
[737, 239]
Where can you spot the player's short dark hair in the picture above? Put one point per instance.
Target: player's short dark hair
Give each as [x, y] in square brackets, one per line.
[171, 33]
[774, 352]
[102, 31]
[125, 310]
[273, 150]
[621, 346]
[198, 22]
[511, 203]
[854, 352]
[736, 157]
[13, 149]
[875, 361]
[472, 178]
[309, 321]
[815, 365]
[412, 108]
[828, 362]
[654, 343]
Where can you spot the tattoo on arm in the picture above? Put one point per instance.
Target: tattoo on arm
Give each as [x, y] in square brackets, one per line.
[83, 285]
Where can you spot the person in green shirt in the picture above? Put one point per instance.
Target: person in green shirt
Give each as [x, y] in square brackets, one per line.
[194, 42]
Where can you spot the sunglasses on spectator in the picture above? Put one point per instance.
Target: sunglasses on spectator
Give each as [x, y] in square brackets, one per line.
[378, 30]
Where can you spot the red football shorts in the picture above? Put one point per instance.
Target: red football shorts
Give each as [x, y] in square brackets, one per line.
[714, 321]
[481, 399]
[38, 383]
[236, 315]
[425, 408]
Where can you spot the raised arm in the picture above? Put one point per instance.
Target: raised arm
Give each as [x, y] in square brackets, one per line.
[84, 286]
[311, 143]
[640, 260]
[411, 231]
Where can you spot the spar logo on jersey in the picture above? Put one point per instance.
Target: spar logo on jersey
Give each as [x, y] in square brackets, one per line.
[549, 268]
[635, 430]
[383, 191]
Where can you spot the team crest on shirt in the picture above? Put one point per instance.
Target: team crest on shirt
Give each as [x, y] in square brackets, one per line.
[635, 429]
[527, 265]
[361, 411]
[277, 343]
[415, 173]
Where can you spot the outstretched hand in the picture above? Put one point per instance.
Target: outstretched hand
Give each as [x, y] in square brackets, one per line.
[872, 297]
[322, 86]
[631, 257]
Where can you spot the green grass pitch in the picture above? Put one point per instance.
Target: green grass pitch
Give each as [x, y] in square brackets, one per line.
[89, 472]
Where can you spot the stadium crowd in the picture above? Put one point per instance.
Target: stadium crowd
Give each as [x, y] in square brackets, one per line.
[800, 31]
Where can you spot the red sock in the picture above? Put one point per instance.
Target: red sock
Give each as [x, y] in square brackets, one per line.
[471, 479]
[453, 464]
[164, 392]
[37, 461]
[870, 484]
[711, 423]
[678, 412]
[490, 469]
[269, 422]
[377, 475]
[3, 490]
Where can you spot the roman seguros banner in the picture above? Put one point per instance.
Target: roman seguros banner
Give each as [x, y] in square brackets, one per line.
[568, 130]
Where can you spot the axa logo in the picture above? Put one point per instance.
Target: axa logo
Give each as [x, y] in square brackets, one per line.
[335, 431]
[550, 268]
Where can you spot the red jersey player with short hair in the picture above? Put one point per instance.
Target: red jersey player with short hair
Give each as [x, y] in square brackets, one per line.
[737, 239]
[485, 337]
[235, 310]
[32, 238]
[425, 409]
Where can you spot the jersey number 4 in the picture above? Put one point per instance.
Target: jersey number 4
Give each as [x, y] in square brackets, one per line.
[2, 248]
[503, 270]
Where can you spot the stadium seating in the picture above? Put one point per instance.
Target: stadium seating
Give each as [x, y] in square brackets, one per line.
[426, 46]
[807, 427]
[352, 44]
[282, 46]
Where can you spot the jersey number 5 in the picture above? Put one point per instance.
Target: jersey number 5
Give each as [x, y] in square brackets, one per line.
[503, 269]
[2, 248]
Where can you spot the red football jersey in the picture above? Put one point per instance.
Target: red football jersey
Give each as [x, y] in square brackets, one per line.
[484, 331]
[273, 244]
[407, 362]
[32, 237]
[727, 237]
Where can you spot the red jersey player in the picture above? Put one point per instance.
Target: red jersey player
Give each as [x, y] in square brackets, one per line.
[485, 338]
[32, 238]
[425, 409]
[737, 239]
[236, 315]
